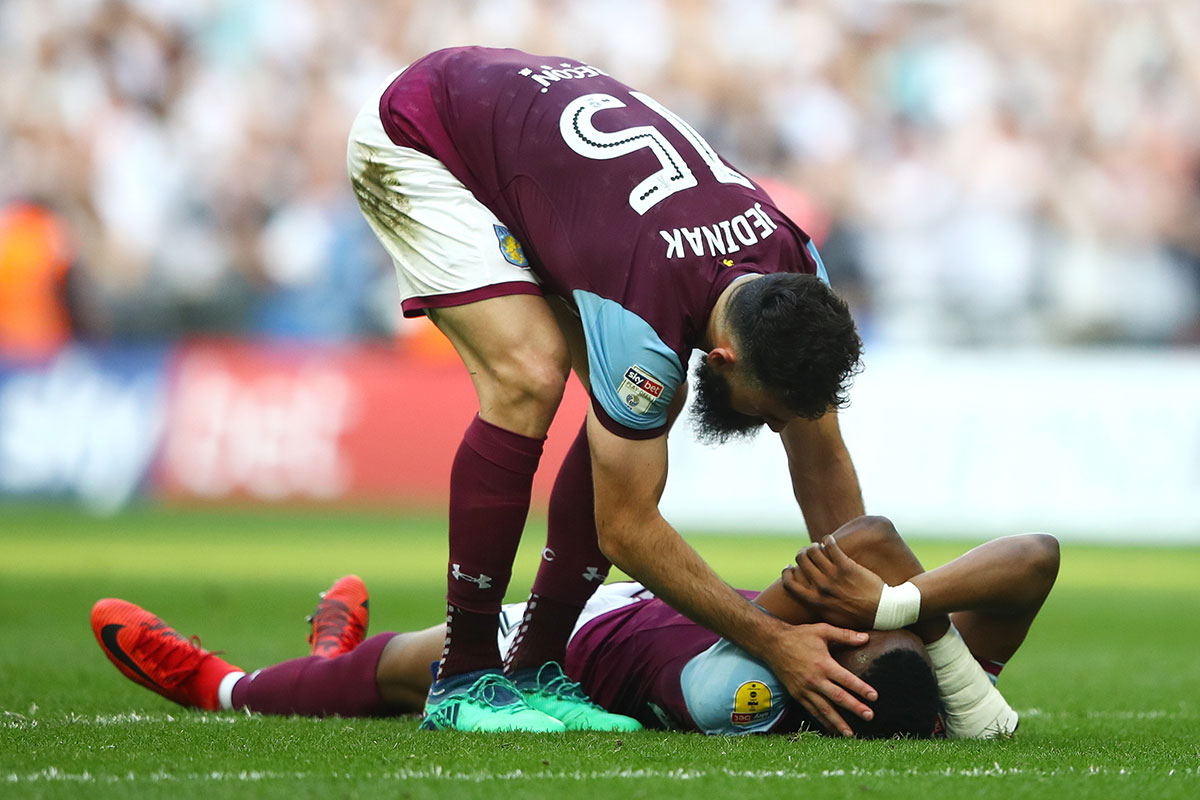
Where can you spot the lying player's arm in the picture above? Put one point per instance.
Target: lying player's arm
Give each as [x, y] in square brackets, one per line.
[823, 477]
[629, 477]
[1002, 575]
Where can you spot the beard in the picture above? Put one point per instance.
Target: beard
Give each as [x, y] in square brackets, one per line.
[714, 419]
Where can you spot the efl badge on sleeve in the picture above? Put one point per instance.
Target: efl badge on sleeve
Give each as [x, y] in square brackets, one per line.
[751, 704]
[639, 390]
[510, 248]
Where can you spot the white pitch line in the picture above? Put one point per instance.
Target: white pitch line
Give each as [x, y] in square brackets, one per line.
[1173, 714]
[10, 719]
[13, 720]
[55, 775]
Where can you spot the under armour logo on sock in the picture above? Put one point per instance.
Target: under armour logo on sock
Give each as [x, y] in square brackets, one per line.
[547, 554]
[593, 574]
[483, 581]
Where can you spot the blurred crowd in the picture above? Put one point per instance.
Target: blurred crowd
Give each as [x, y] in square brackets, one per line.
[988, 172]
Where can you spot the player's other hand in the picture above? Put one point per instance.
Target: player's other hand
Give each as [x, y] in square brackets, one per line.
[832, 585]
[818, 682]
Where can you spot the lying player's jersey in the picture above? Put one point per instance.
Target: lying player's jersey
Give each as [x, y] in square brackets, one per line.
[619, 206]
[647, 661]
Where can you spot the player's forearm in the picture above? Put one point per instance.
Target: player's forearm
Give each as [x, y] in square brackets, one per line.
[653, 553]
[829, 495]
[823, 477]
[1004, 575]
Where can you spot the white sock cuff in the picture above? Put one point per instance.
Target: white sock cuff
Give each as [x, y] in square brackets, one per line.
[225, 690]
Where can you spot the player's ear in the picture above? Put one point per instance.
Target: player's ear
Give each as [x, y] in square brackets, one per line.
[721, 358]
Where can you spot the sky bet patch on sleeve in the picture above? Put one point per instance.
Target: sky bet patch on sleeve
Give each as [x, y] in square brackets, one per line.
[751, 704]
[639, 390]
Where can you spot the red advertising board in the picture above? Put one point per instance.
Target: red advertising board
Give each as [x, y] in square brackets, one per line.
[257, 422]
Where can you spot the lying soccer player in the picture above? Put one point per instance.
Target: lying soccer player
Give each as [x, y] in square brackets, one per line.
[638, 658]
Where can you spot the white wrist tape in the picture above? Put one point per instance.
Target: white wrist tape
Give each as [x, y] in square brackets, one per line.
[899, 606]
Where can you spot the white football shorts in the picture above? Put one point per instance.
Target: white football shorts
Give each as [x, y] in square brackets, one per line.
[607, 598]
[447, 247]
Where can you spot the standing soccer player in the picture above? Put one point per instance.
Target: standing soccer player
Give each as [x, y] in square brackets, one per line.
[547, 217]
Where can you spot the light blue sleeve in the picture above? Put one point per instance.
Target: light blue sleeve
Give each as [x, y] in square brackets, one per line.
[729, 693]
[821, 273]
[633, 373]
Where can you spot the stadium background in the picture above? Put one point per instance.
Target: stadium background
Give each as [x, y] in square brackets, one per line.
[192, 309]
[209, 405]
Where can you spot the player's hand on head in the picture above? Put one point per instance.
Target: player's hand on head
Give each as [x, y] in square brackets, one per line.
[825, 688]
[835, 587]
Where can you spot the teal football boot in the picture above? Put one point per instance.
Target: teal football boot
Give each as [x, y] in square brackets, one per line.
[483, 701]
[549, 690]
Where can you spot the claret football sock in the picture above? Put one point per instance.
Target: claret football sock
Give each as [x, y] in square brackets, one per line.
[542, 637]
[572, 565]
[470, 642]
[974, 708]
[490, 484]
[317, 686]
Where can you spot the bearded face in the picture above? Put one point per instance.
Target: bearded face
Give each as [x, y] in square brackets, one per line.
[714, 419]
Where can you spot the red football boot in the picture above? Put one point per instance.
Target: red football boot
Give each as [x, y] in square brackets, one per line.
[340, 622]
[151, 653]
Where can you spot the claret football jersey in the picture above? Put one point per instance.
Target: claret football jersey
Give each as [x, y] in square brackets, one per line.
[642, 658]
[620, 207]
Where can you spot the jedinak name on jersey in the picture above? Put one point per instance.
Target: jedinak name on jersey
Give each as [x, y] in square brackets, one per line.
[721, 238]
[565, 71]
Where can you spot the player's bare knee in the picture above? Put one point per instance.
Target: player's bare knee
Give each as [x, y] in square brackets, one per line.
[531, 380]
[1042, 558]
[544, 379]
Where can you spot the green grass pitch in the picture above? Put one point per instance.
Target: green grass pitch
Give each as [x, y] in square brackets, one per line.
[1108, 682]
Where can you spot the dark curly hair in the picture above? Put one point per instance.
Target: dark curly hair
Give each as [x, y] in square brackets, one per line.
[908, 703]
[797, 338]
[908, 697]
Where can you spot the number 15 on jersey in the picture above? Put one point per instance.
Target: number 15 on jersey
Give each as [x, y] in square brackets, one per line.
[675, 176]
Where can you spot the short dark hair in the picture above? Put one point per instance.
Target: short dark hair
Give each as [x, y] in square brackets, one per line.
[797, 338]
[908, 697]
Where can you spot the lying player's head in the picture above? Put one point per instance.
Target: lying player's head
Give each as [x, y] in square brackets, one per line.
[795, 341]
[896, 665]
